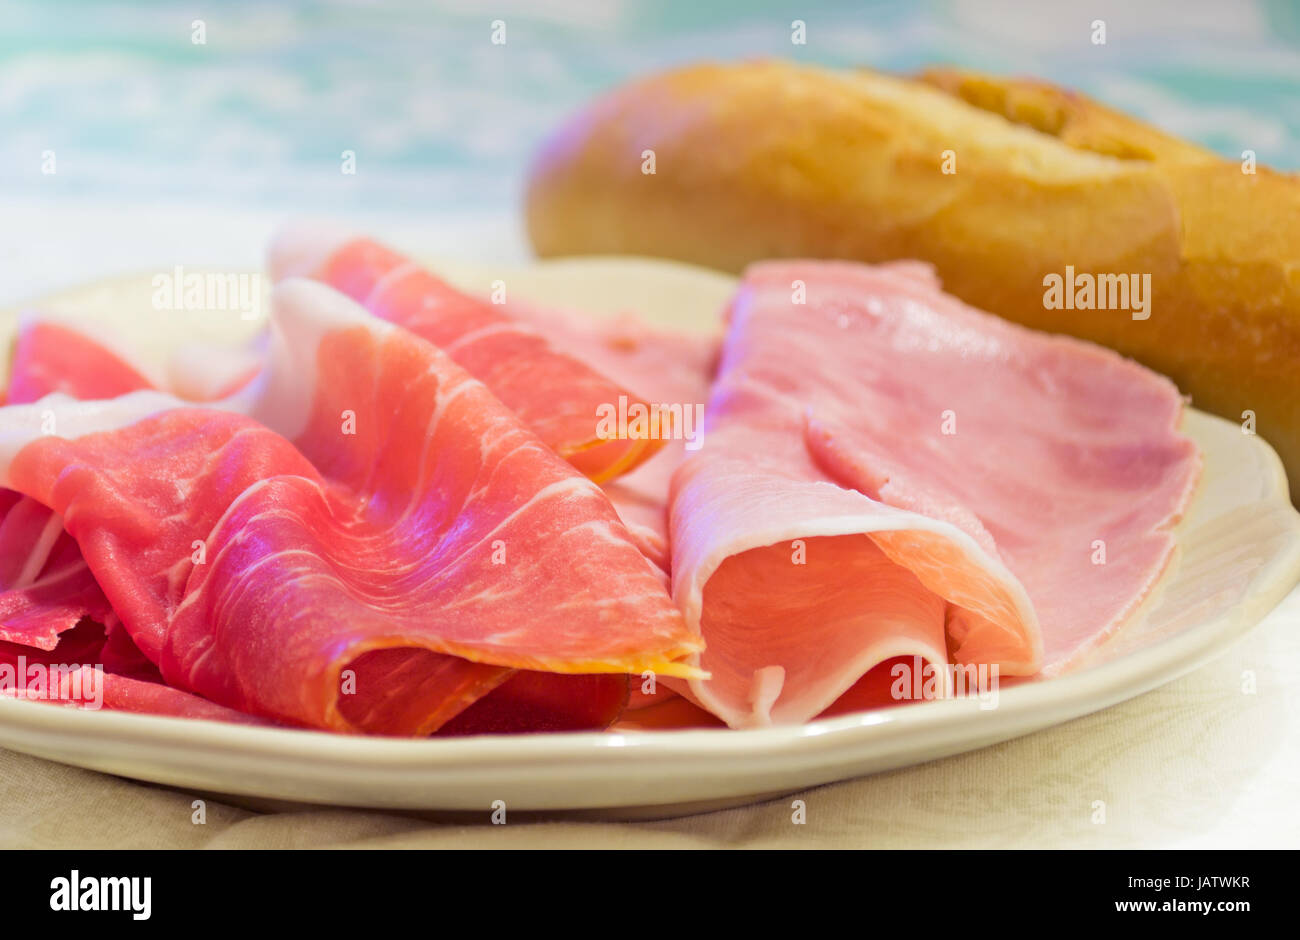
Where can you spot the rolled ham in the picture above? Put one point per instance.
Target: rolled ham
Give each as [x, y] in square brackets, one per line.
[888, 472]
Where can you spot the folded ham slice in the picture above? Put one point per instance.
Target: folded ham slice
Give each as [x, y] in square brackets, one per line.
[52, 610]
[889, 473]
[400, 548]
[46, 587]
[554, 394]
[61, 356]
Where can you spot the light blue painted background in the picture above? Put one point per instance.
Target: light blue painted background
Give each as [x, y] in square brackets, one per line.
[441, 119]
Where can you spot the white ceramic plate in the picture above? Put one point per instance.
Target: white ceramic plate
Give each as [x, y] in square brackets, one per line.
[1239, 554]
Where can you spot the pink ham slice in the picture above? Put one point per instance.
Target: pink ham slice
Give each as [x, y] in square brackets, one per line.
[830, 523]
[555, 395]
[438, 548]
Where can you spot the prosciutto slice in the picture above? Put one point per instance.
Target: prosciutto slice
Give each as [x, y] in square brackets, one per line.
[664, 367]
[84, 670]
[554, 394]
[46, 588]
[399, 549]
[52, 357]
[890, 473]
[66, 356]
[56, 625]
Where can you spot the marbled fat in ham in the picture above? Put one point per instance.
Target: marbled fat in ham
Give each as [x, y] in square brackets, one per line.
[555, 395]
[400, 533]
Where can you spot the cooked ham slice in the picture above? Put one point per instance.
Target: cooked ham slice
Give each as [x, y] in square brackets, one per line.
[389, 542]
[555, 395]
[830, 523]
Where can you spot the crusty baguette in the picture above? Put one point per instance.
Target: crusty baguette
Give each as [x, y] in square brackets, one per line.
[769, 159]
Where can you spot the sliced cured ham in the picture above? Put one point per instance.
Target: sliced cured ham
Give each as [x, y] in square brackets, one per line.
[46, 588]
[474, 454]
[890, 473]
[669, 368]
[395, 549]
[87, 669]
[52, 357]
[554, 394]
[664, 367]
[53, 612]
[539, 701]
[364, 538]
[66, 356]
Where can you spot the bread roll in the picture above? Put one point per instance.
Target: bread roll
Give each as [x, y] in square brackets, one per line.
[768, 159]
